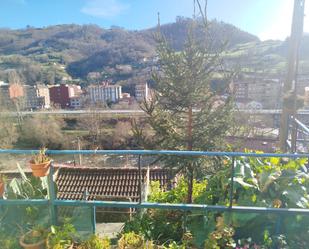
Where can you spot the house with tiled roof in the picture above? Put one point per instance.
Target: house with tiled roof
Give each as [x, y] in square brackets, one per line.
[77, 183]
[106, 183]
[109, 184]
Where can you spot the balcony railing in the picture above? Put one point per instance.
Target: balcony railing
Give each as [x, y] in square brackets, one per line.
[52, 202]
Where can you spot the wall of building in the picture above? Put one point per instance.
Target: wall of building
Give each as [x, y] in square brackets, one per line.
[104, 93]
[60, 95]
[141, 92]
[268, 92]
[43, 92]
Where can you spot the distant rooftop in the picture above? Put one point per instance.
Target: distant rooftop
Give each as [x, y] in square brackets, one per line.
[73, 182]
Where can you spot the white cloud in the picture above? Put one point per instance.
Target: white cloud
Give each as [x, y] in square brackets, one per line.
[104, 8]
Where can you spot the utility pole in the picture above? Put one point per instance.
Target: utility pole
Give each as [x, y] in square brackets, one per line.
[289, 89]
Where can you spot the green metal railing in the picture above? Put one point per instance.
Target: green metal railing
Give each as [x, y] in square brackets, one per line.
[53, 202]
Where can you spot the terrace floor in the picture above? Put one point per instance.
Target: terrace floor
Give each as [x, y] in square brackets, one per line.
[108, 229]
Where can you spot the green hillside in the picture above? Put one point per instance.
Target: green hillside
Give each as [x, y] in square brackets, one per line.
[57, 52]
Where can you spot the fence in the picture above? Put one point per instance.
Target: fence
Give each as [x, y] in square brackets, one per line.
[53, 203]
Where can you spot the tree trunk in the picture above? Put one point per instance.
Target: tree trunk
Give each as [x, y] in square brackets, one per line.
[190, 167]
[190, 184]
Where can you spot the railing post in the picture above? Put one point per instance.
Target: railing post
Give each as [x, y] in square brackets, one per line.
[232, 182]
[278, 225]
[93, 215]
[93, 212]
[52, 195]
[294, 135]
[139, 179]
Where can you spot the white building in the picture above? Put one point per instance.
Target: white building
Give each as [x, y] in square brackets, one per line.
[43, 92]
[104, 93]
[76, 102]
[141, 92]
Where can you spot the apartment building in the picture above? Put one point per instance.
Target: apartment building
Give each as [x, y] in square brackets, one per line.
[32, 100]
[76, 102]
[104, 93]
[10, 92]
[61, 94]
[267, 92]
[141, 92]
[43, 92]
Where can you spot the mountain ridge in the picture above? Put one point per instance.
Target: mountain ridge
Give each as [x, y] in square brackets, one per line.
[50, 54]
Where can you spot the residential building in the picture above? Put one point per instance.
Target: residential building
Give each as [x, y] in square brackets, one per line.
[9, 92]
[107, 183]
[104, 93]
[32, 100]
[43, 92]
[61, 94]
[126, 99]
[76, 102]
[16, 90]
[267, 92]
[241, 91]
[141, 92]
[31, 97]
[5, 100]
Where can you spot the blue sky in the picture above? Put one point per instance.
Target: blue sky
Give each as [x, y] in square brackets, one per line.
[268, 19]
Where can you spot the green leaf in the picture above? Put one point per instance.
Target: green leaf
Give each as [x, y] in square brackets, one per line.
[297, 196]
[244, 184]
[267, 178]
[22, 173]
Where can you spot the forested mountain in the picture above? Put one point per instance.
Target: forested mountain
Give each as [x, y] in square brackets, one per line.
[53, 53]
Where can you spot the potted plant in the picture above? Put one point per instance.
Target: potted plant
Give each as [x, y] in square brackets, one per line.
[34, 239]
[2, 184]
[40, 163]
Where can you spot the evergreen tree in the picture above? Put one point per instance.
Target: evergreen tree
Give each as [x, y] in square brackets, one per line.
[185, 112]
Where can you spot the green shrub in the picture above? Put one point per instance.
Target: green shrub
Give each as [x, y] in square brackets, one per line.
[164, 226]
[94, 242]
[61, 237]
[131, 240]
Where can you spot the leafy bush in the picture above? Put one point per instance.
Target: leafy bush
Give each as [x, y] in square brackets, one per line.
[8, 241]
[36, 132]
[94, 242]
[263, 182]
[61, 237]
[165, 226]
[221, 238]
[131, 240]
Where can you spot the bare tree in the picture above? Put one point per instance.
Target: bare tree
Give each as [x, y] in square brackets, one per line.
[16, 94]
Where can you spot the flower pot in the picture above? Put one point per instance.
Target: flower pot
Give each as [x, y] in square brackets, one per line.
[1, 188]
[39, 245]
[41, 169]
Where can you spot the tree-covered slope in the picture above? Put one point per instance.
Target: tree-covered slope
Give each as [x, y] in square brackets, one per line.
[49, 54]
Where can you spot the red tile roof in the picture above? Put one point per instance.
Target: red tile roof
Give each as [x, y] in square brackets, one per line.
[105, 183]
